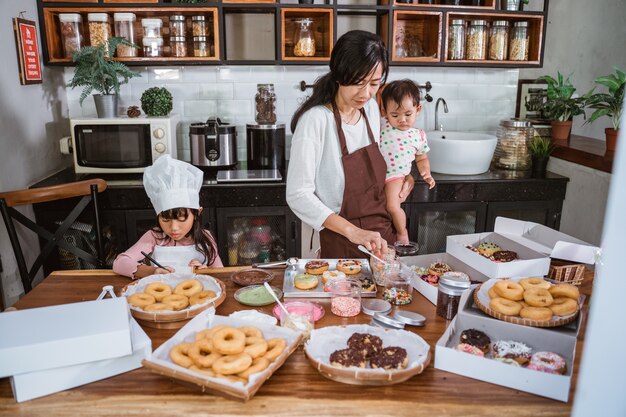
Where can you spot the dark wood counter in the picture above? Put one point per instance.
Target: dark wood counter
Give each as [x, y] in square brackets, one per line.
[585, 151]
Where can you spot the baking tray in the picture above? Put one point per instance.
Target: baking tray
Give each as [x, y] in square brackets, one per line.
[290, 290]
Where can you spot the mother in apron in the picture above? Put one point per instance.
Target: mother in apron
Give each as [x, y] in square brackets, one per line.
[336, 173]
[178, 241]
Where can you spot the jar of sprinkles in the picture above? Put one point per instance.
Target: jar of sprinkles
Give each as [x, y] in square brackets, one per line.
[451, 286]
[398, 289]
[345, 298]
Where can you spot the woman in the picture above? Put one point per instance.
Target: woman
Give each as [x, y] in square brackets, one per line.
[336, 172]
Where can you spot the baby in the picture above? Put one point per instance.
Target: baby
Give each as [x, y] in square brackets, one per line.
[401, 143]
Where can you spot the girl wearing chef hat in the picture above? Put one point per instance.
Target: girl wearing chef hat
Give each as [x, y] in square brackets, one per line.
[178, 241]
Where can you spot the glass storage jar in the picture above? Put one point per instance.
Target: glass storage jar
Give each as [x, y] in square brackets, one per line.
[178, 44]
[201, 46]
[265, 104]
[345, 297]
[398, 289]
[71, 32]
[391, 265]
[152, 46]
[124, 23]
[512, 152]
[518, 48]
[498, 40]
[99, 31]
[456, 39]
[199, 25]
[476, 40]
[304, 41]
[449, 290]
[151, 27]
[177, 25]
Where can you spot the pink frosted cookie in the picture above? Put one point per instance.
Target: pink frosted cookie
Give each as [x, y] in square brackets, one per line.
[548, 362]
[472, 350]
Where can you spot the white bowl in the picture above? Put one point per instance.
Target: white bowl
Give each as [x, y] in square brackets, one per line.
[460, 153]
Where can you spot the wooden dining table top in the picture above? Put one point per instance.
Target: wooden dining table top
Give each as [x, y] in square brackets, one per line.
[296, 389]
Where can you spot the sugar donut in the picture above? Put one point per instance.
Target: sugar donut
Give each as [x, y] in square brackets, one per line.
[180, 355]
[202, 297]
[258, 365]
[505, 306]
[177, 301]
[536, 313]
[153, 308]
[538, 297]
[331, 275]
[565, 290]
[510, 349]
[229, 341]
[275, 346]
[492, 292]
[509, 290]
[534, 282]
[141, 300]
[232, 364]
[202, 353]
[158, 290]
[316, 267]
[251, 331]
[349, 266]
[563, 306]
[548, 362]
[255, 347]
[305, 281]
[188, 288]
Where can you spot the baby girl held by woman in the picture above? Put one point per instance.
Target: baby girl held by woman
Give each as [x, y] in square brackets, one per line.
[401, 143]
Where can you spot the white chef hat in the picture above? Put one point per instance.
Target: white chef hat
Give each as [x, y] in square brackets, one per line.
[171, 183]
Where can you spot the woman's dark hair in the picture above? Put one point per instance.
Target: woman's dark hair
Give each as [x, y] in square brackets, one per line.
[397, 91]
[354, 56]
[203, 241]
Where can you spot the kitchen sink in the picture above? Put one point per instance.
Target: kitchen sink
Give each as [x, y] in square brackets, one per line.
[460, 153]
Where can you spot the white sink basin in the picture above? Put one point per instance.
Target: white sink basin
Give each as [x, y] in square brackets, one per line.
[460, 153]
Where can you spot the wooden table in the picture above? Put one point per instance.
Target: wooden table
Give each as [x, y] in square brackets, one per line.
[296, 389]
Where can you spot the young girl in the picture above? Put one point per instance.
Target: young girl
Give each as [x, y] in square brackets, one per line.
[179, 241]
[401, 143]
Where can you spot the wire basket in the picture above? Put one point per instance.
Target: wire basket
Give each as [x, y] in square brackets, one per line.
[566, 273]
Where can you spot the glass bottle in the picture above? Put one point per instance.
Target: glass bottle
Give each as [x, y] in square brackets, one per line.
[476, 40]
[456, 39]
[71, 32]
[499, 40]
[512, 152]
[304, 41]
[199, 26]
[265, 101]
[518, 49]
[177, 25]
[124, 23]
[201, 46]
[178, 44]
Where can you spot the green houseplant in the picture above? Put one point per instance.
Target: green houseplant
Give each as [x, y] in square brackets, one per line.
[156, 102]
[609, 104]
[540, 148]
[96, 70]
[560, 105]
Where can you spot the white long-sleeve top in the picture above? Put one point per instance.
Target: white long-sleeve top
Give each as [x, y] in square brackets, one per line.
[315, 181]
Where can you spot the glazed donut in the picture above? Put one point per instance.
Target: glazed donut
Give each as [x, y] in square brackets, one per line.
[305, 281]
[158, 290]
[492, 292]
[563, 306]
[180, 355]
[153, 308]
[548, 362]
[509, 290]
[349, 266]
[141, 300]
[331, 275]
[202, 353]
[316, 267]
[534, 282]
[439, 268]
[255, 347]
[275, 347]
[206, 371]
[229, 341]
[188, 288]
[538, 297]
[505, 306]
[232, 364]
[536, 313]
[251, 331]
[202, 297]
[177, 301]
[565, 290]
[258, 365]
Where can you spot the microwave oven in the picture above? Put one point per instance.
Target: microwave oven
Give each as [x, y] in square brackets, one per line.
[120, 145]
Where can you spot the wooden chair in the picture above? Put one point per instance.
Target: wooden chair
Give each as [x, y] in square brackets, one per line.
[87, 189]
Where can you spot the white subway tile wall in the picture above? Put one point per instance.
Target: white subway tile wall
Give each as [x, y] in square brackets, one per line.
[478, 98]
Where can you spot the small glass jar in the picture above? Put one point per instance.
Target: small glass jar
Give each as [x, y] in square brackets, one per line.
[499, 40]
[398, 289]
[265, 104]
[178, 44]
[301, 317]
[152, 47]
[456, 39]
[514, 137]
[476, 40]
[71, 32]
[199, 26]
[248, 251]
[304, 41]
[406, 249]
[345, 297]
[99, 30]
[518, 48]
[449, 291]
[201, 46]
[390, 266]
[124, 23]
[177, 25]
[151, 27]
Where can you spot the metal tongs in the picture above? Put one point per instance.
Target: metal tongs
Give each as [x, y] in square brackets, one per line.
[276, 264]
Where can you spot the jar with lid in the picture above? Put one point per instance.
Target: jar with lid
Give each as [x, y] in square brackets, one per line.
[518, 48]
[345, 297]
[199, 25]
[177, 25]
[201, 46]
[499, 40]
[265, 104]
[304, 41]
[476, 40]
[178, 44]
[152, 46]
[456, 39]
[398, 289]
[248, 251]
[99, 31]
[391, 265]
[451, 286]
[512, 152]
[71, 32]
[124, 23]
[151, 27]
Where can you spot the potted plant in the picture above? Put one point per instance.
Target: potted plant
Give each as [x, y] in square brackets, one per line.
[156, 102]
[96, 70]
[609, 104]
[560, 105]
[540, 148]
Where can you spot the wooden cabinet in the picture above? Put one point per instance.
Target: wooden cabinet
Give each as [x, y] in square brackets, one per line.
[255, 32]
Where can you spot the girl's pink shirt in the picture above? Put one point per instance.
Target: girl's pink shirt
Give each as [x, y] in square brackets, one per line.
[127, 262]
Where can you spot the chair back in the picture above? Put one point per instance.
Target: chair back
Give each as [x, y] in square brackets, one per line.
[87, 189]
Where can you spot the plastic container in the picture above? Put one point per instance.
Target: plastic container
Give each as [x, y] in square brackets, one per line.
[178, 44]
[99, 30]
[449, 294]
[124, 28]
[398, 289]
[151, 27]
[265, 104]
[71, 32]
[177, 25]
[152, 46]
[380, 269]
[456, 39]
[201, 46]
[499, 40]
[345, 297]
[304, 41]
[476, 40]
[199, 26]
[518, 48]
[514, 136]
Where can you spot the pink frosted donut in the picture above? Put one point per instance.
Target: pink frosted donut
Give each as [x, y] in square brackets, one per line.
[472, 350]
[548, 362]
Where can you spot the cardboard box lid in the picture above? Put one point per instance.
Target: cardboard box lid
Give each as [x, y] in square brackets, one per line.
[546, 240]
[67, 334]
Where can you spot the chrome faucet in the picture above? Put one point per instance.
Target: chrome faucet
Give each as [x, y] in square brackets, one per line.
[445, 110]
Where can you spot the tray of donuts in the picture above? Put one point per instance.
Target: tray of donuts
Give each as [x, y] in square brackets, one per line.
[168, 301]
[222, 355]
[367, 355]
[530, 301]
[312, 277]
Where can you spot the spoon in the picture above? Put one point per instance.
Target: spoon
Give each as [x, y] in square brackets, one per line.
[364, 250]
[271, 291]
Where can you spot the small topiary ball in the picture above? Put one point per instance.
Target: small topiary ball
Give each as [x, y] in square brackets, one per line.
[156, 102]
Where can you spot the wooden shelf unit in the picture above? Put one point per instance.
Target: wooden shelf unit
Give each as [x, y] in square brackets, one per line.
[321, 27]
[418, 34]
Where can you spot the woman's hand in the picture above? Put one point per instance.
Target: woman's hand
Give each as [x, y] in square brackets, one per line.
[166, 270]
[196, 263]
[407, 187]
[372, 241]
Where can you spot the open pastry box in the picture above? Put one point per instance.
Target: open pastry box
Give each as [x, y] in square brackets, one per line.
[560, 340]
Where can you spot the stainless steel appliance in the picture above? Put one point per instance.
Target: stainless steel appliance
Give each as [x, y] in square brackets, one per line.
[213, 144]
[266, 146]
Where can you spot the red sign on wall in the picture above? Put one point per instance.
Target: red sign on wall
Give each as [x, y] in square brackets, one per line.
[28, 50]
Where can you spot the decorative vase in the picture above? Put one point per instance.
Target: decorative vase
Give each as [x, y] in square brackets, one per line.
[539, 165]
[611, 138]
[106, 105]
[561, 130]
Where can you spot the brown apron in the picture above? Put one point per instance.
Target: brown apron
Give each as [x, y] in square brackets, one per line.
[364, 200]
